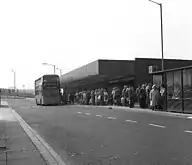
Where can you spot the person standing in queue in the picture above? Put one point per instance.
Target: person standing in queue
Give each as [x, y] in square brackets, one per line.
[96, 96]
[137, 92]
[131, 97]
[142, 97]
[88, 97]
[123, 97]
[148, 89]
[92, 100]
[105, 97]
[153, 97]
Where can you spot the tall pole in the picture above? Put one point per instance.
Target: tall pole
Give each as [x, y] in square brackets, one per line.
[24, 92]
[161, 16]
[60, 70]
[54, 68]
[162, 51]
[14, 81]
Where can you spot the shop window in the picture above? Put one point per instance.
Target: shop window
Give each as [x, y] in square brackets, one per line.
[170, 85]
[187, 83]
[177, 85]
[187, 89]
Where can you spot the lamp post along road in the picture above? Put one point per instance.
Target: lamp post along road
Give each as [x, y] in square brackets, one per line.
[60, 71]
[15, 81]
[51, 65]
[161, 16]
[14, 72]
[24, 91]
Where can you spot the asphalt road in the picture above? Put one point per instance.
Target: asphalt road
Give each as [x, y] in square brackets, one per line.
[102, 136]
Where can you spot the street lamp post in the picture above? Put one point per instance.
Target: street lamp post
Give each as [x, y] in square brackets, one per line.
[60, 71]
[14, 72]
[24, 91]
[50, 65]
[161, 16]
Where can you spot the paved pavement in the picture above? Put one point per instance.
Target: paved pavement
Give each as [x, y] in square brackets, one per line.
[87, 135]
[15, 146]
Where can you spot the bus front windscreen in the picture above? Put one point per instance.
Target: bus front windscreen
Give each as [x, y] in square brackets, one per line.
[50, 84]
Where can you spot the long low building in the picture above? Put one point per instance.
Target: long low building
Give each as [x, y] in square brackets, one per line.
[110, 73]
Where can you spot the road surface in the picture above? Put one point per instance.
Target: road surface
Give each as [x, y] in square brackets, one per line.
[89, 135]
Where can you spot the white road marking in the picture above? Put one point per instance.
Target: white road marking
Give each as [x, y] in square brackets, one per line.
[132, 121]
[34, 106]
[113, 118]
[26, 107]
[190, 117]
[188, 131]
[87, 113]
[160, 126]
[99, 115]
[79, 112]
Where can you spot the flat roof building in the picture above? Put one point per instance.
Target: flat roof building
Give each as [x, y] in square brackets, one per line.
[110, 73]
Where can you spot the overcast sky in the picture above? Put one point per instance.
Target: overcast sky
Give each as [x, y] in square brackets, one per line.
[71, 33]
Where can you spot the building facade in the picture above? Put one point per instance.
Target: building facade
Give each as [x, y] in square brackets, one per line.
[110, 73]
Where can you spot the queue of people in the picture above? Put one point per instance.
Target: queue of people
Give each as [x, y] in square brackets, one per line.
[151, 96]
[146, 95]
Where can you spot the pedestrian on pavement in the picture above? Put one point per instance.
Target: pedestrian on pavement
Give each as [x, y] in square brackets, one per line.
[105, 97]
[84, 97]
[88, 96]
[101, 96]
[123, 96]
[68, 98]
[131, 97]
[137, 92]
[142, 97]
[148, 89]
[92, 97]
[153, 97]
[111, 98]
[158, 106]
[96, 96]
[117, 96]
[113, 95]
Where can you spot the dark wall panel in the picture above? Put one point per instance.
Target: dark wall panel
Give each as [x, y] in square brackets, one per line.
[116, 68]
[142, 64]
[80, 73]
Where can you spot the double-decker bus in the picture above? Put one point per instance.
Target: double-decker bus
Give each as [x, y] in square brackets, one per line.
[47, 90]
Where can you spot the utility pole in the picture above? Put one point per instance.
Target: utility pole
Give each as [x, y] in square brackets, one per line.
[161, 18]
[54, 66]
[24, 91]
[14, 81]
[60, 70]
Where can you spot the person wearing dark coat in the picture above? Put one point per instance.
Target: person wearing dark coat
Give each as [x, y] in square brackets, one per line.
[142, 97]
[88, 97]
